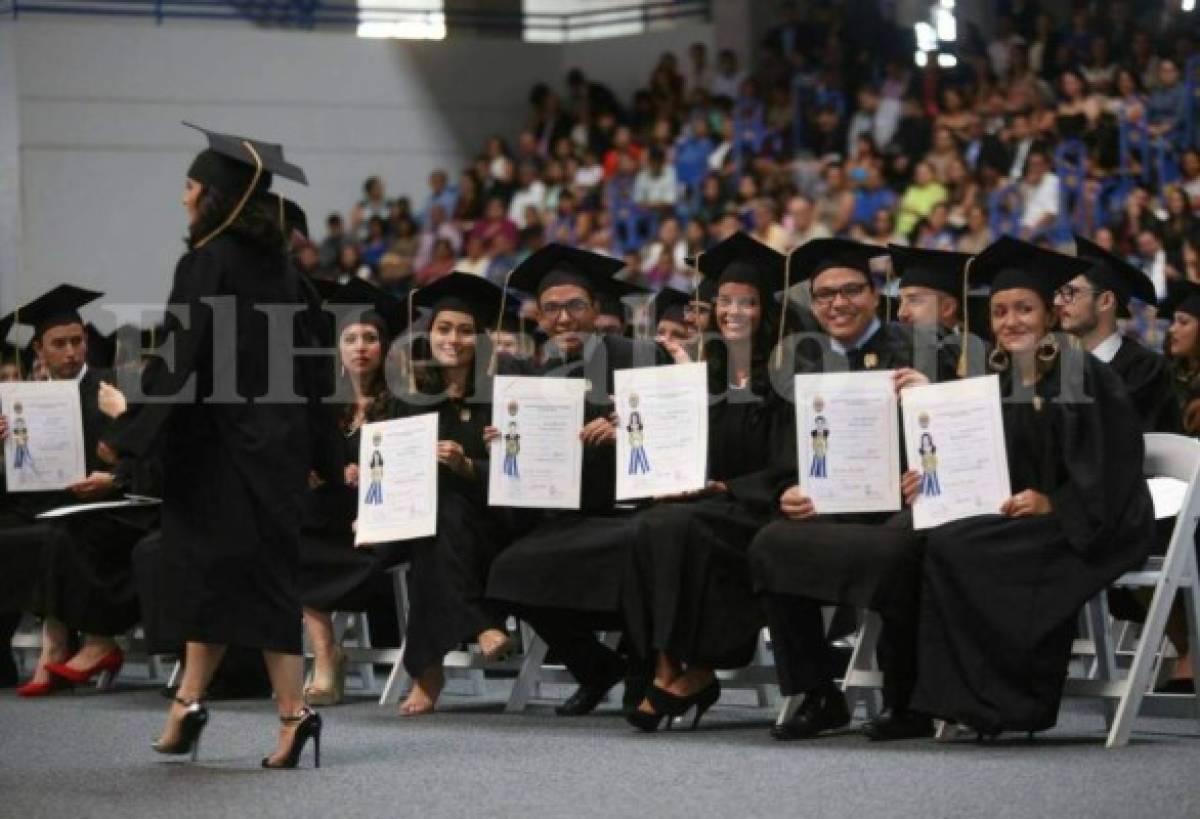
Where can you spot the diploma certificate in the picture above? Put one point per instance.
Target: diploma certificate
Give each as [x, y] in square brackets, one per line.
[662, 431]
[848, 441]
[397, 479]
[537, 462]
[954, 436]
[44, 449]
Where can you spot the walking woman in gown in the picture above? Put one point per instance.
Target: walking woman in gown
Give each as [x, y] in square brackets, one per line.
[1001, 593]
[687, 596]
[234, 469]
[334, 575]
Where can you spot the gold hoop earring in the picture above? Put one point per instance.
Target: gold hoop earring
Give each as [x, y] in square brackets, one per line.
[999, 360]
[1048, 351]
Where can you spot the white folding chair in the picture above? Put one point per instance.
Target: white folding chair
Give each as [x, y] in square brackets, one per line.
[534, 672]
[1170, 456]
[863, 681]
[469, 664]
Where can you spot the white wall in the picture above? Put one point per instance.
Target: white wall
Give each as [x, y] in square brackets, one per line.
[102, 154]
[10, 178]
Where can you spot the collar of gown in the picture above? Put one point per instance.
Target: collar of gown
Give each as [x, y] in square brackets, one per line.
[1106, 350]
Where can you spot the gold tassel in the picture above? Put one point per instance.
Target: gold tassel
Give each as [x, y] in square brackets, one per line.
[412, 364]
[783, 307]
[258, 169]
[499, 322]
[966, 314]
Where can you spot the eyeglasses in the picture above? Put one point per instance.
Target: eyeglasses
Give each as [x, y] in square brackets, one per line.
[1068, 292]
[575, 307]
[741, 302]
[825, 296]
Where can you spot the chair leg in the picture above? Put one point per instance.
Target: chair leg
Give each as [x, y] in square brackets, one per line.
[526, 683]
[1104, 666]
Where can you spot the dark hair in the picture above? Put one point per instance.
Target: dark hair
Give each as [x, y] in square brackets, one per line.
[254, 223]
[429, 377]
[371, 181]
[382, 399]
[762, 342]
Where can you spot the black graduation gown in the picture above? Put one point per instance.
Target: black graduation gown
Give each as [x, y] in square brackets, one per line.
[1147, 378]
[1000, 596]
[448, 572]
[234, 468]
[575, 560]
[687, 588]
[866, 561]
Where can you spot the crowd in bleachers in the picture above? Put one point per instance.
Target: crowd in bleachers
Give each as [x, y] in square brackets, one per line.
[1062, 122]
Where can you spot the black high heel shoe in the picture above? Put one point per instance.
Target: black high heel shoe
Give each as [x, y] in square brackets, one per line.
[667, 704]
[188, 742]
[308, 724]
[647, 721]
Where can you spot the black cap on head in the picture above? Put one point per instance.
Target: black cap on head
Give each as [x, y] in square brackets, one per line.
[611, 305]
[669, 305]
[816, 256]
[939, 270]
[556, 264]
[58, 306]
[356, 302]
[294, 218]
[1110, 272]
[742, 259]
[1183, 296]
[230, 161]
[1009, 263]
[464, 293]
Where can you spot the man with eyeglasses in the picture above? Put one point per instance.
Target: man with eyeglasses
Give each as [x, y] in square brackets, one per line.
[563, 575]
[1088, 308]
[805, 559]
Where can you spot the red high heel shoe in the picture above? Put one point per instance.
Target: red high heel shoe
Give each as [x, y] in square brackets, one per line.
[42, 689]
[108, 664]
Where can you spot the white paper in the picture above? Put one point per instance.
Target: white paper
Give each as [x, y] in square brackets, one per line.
[848, 441]
[662, 430]
[44, 449]
[538, 460]
[954, 435]
[397, 479]
[129, 501]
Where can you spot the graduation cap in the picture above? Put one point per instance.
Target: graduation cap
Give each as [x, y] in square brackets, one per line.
[1009, 263]
[742, 259]
[1183, 296]
[940, 270]
[611, 305]
[291, 217]
[463, 292]
[816, 256]
[358, 301]
[1111, 272]
[557, 264]
[230, 160]
[669, 305]
[58, 306]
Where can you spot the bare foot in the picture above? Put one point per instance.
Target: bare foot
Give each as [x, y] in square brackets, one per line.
[287, 731]
[425, 692]
[691, 681]
[49, 655]
[494, 643]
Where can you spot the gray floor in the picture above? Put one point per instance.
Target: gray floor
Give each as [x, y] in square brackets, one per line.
[88, 755]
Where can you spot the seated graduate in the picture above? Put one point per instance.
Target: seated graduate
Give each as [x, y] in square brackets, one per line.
[807, 559]
[563, 576]
[1088, 308]
[688, 605]
[933, 300]
[1001, 593]
[333, 575]
[672, 330]
[448, 572]
[60, 343]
